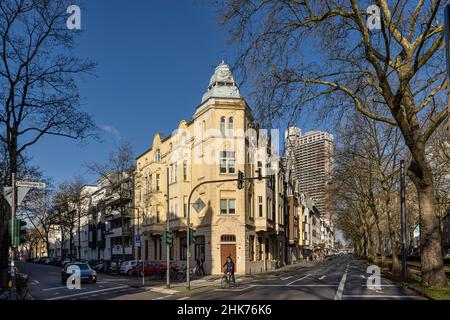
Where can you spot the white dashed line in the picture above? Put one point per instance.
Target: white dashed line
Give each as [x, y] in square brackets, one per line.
[340, 289]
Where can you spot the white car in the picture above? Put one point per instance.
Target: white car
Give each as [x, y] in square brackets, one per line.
[126, 266]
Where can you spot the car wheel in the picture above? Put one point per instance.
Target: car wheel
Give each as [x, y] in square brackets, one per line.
[94, 281]
[129, 273]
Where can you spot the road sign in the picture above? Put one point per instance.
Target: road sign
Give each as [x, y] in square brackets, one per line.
[137, 241]
[21, 193]
[198, 205]
[31, 184]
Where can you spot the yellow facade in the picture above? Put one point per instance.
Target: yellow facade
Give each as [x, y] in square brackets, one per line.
[245, 223]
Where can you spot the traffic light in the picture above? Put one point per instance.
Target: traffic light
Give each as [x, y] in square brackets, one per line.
[167, 238]
[22, 232]
[240, 179]
[17, 234]
[259, 171]
[191, 236]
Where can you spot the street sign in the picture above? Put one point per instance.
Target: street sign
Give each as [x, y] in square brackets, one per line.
[198, 205]
[21, 193]
[30, 184]
[137, 241]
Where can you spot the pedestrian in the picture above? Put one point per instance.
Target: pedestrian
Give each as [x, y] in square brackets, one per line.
[229, 267]
[201, 268]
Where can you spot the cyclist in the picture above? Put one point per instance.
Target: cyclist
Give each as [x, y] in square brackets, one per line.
[229, 267]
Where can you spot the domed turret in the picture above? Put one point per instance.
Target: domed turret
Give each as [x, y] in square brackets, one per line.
[222, 84]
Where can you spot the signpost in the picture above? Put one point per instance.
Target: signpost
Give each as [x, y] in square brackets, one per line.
[13, 199]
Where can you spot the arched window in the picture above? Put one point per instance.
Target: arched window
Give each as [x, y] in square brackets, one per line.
[222, 126]
[228, 238]
[230, 126]
[158, 155]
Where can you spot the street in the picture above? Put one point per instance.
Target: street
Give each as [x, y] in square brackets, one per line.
[341, 278]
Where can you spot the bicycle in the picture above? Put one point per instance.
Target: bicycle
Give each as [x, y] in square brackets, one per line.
[226, 280]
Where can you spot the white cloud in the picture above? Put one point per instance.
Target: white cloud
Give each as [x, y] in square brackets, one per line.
[111, 130]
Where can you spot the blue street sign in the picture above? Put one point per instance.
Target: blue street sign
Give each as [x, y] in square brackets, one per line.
[137, 240]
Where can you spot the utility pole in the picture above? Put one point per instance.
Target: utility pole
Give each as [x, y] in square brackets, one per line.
[168, 229]
[403, 221]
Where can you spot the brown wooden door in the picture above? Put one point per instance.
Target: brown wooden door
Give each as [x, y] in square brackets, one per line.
[225, 251]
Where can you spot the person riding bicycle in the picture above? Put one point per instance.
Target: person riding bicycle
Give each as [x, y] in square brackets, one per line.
[229, 267]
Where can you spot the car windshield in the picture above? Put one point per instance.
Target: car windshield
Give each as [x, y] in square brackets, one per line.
[81, 266]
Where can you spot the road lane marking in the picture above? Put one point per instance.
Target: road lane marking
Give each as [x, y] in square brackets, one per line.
[299, 279]
[160, 298]
[363, 276]
[384, 285]
[322, 277]
[87, 293]
[285, 278]
[55, 288]
[377, 296]
[340, 289]
[162, 290]
[184, 298]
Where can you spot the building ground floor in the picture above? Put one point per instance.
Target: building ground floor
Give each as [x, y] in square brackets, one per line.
[252, 252]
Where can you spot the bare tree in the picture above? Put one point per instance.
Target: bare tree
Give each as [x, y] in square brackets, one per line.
[39, 211]
[400, 65]
[69, 201]
[38, 92]
[118, 173]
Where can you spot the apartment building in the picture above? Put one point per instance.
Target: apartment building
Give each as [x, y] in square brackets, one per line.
[245, 223]
[310, 156]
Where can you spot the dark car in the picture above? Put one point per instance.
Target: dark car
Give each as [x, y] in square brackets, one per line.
[114, 267]
[87, 273]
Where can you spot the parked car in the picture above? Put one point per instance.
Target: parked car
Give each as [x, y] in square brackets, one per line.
[126, 266]
[99, 266]
[87, 273]
[149, 267]
[64, 262]
[114, 266]
[42, 259]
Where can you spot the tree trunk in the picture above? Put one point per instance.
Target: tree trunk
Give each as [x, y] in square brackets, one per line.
[431, 250]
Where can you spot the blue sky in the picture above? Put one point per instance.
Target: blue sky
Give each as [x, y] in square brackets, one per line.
[154, 59]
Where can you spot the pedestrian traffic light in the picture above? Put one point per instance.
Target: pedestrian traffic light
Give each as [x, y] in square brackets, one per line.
[240, 179]
[191, 236]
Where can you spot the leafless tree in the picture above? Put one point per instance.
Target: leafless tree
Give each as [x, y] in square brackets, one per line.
[300, 53]
[118, 173]
[38, 91]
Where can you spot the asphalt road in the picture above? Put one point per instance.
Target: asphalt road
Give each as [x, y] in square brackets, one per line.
[341, 278]
[45, 284]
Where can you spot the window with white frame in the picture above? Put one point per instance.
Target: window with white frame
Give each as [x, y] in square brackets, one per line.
[227, 162]
[158, 155]
[185, 170]
[227, 206]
